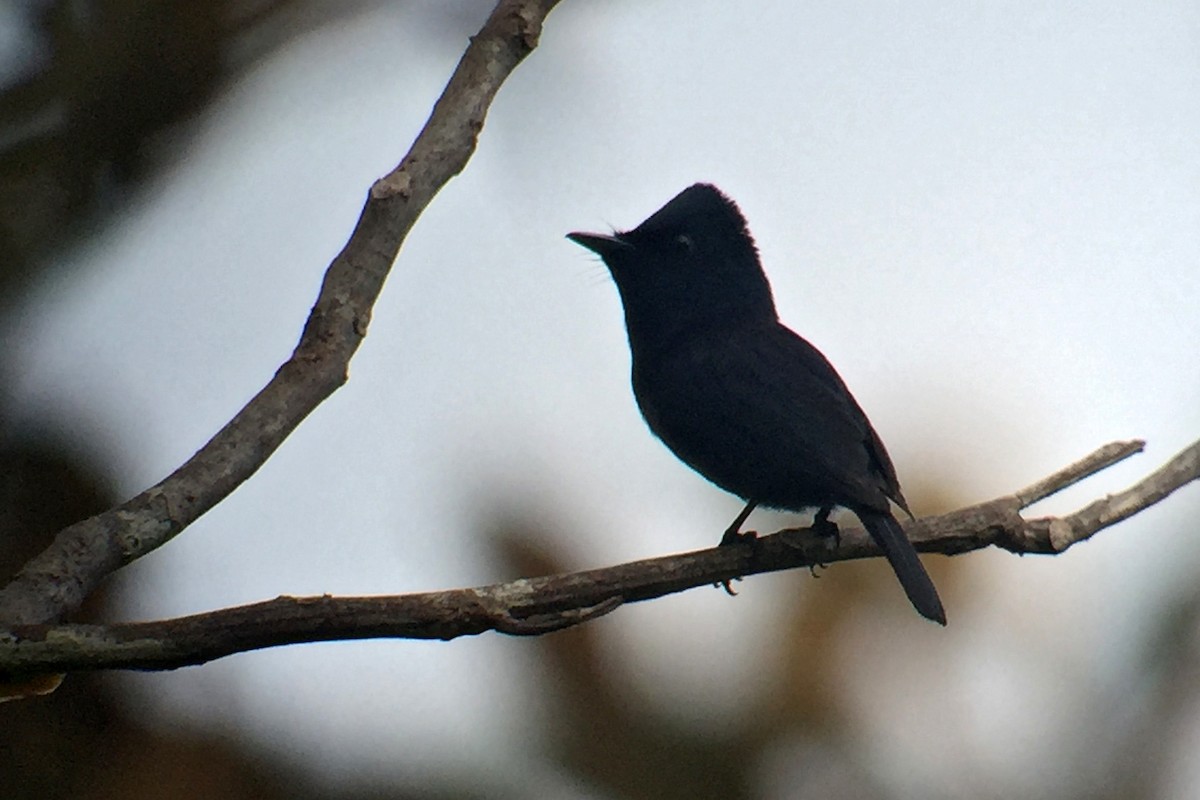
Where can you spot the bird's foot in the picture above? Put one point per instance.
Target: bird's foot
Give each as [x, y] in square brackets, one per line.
[734, 536]
[826, 528]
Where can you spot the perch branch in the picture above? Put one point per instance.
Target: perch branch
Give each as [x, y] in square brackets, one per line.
[532, 606]
[55, 582]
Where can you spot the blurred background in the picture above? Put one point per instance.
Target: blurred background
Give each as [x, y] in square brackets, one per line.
[986, 215]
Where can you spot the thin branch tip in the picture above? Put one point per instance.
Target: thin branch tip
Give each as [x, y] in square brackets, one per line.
[1098, 460]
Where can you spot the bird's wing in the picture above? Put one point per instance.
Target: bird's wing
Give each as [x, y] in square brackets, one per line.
[881, 465]
[761, 413]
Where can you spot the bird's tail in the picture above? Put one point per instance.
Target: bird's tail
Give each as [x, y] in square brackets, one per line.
[888, 534]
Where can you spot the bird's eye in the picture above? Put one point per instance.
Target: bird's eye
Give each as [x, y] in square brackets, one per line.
[685, 243]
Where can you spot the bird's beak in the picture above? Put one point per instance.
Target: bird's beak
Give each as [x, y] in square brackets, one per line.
[602, 244]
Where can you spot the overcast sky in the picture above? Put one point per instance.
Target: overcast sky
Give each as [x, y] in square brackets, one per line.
[986, 215]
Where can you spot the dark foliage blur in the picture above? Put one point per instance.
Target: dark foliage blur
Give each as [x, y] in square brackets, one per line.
[102, 103]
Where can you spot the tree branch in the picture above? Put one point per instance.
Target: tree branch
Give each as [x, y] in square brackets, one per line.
[534, 606]
[56, 581]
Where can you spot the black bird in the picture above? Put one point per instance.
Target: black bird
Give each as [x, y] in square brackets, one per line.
[734, 393]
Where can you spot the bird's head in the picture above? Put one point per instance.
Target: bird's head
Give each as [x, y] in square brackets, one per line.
[690, 268]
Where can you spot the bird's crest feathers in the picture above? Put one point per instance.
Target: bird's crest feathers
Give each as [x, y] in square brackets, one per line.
[701, 206]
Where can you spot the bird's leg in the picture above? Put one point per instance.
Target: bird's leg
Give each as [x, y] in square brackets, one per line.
[827, 529]
[824, 527]
[733, 534]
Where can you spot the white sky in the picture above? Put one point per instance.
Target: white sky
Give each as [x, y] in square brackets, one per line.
[986, 215]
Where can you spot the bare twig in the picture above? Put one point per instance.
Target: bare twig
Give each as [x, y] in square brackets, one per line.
[1063, 532]
[537, 605]
[55, 582]
[1102, 458]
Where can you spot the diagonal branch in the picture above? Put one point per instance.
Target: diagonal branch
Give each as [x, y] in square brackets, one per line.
[56, 581]
[534, 606]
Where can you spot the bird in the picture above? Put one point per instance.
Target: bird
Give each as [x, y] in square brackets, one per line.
[738, 396]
